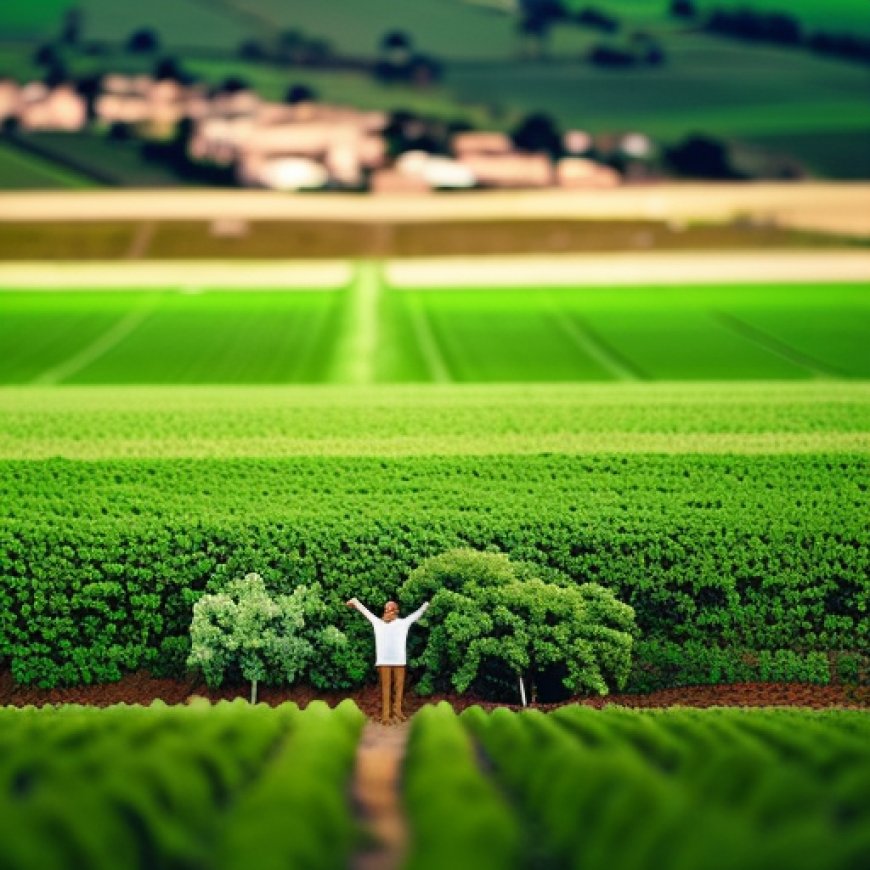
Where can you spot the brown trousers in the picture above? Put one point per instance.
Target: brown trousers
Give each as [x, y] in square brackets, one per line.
[392, 692]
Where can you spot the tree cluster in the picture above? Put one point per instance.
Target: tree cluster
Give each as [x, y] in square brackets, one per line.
[494, 622]
[701, 156]
[781, 28]
[290, 47]
[399, 62]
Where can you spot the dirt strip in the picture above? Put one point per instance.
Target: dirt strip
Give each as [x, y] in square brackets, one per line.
[377, 796]
[142, 688]
[829, 206]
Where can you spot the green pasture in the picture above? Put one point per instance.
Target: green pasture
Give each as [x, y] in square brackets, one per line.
[791, 101]
[18, 169]
[843, 16]
[369, 333]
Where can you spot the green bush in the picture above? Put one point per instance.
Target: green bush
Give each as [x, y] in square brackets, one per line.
[244, 628]
[493, 621]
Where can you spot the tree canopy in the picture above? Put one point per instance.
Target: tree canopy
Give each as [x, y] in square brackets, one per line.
[493, 621]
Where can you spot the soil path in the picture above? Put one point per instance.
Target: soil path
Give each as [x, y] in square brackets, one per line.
[376, 793]
[826, 206]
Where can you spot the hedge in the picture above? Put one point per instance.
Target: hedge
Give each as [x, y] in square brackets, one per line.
[737, 567]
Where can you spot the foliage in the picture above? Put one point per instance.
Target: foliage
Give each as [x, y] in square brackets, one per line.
[693, 788]
[242, 627]
[195, 786]
[492, 620]
[102, 562]
[441, 764]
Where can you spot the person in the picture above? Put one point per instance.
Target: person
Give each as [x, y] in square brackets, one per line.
[391, 633]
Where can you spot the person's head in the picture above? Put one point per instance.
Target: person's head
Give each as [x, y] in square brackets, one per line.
[391, 611]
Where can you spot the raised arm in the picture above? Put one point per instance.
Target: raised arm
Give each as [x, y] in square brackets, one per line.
[358, 605]
[413, 617]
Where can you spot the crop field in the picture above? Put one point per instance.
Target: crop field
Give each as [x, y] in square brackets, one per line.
[369, 332]
[729, 515]
[209, 787]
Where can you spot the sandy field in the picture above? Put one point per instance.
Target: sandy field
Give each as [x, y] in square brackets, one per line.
[829, 207]
[191, 276]
[553, 270]
[638, 269]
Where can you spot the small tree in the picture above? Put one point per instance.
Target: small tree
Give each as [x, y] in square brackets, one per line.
[499, 624]
[143, 41]
[263, 637]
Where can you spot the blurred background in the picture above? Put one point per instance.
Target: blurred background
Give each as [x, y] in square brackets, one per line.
[418, 94]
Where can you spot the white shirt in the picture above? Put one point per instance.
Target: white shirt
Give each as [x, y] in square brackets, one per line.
[390, 637]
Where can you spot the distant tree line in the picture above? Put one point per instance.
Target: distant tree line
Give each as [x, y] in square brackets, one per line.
[536, 18]
[774, 28]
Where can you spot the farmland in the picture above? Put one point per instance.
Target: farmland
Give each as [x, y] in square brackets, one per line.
[170, 787]
[369, 332]
[729, 515]
[179, 786]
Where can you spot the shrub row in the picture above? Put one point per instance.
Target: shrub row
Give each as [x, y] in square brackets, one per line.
[193, 787]
[441, 765]
[726, 560]
[677, 788]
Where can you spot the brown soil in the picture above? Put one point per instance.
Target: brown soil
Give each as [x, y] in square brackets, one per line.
[173, 240]
[142, 688]
[376, 793]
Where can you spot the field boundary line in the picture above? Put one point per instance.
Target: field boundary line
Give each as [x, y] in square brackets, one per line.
[358, 341]
[141, 240]
[428, 344]
[773, 345]
[587, 341]
[101, 345]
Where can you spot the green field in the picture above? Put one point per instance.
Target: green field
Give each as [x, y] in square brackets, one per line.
[19, 169]
[369, 333]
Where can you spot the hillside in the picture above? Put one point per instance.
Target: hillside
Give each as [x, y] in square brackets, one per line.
[783, 102]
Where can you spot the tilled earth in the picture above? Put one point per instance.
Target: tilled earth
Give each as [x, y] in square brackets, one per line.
[142, 688]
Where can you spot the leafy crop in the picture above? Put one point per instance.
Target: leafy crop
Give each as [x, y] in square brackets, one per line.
[721, 557]
[193, 787]
[457, 818]
[681, 788]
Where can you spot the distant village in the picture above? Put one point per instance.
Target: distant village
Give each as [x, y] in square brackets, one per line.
[307, 144]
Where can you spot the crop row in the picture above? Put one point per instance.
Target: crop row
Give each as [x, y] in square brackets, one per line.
[259, 421]
[580, 788]
[193, 787]
[737, 567]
